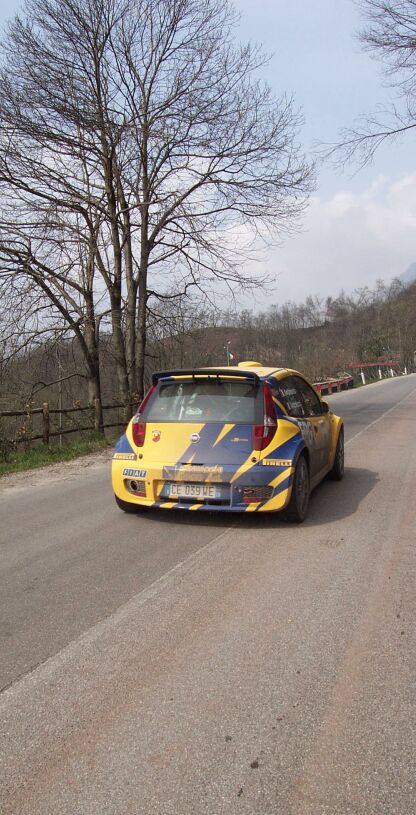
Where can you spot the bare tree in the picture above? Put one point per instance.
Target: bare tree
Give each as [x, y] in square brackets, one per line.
[140, 127]
[390, 37]
[48, 285]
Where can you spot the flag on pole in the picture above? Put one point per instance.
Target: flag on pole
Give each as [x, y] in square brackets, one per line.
[231, 358]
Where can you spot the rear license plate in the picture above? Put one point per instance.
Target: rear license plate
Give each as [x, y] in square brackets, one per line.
[201, 491]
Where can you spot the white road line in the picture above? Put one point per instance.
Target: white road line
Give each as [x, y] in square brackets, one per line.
[376, 421]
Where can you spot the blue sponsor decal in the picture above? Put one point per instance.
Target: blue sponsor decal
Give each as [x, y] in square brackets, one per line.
[134, 473]
[123, 445]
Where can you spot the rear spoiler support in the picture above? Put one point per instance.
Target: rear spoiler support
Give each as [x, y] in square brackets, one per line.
[208, 373]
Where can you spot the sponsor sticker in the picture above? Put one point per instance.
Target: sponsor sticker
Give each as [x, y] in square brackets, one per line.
[307, 432]
[134, 473]
[276, 462]
[203, 468]
[125, 456]
[194, 472]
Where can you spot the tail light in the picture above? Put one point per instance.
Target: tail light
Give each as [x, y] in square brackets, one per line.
[138, 425]
[139, 431]
[263, 433]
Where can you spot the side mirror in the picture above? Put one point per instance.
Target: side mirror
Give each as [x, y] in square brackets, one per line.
[325, 407]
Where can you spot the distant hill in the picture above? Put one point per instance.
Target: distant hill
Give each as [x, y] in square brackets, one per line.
[409, 276]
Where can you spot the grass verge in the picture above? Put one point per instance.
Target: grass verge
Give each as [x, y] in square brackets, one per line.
[40, 456]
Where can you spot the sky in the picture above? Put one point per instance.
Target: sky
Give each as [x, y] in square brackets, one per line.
[360, 225]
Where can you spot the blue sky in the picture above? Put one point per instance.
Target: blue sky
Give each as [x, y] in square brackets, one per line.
[360, 226]
[316, 55]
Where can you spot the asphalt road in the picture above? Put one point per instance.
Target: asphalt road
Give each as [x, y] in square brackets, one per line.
[174, 664]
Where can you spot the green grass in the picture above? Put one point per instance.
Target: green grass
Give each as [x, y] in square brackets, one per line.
[43, 454]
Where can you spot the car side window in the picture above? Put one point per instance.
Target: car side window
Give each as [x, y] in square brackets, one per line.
[277, 397]
[311, 401]
[290, 397]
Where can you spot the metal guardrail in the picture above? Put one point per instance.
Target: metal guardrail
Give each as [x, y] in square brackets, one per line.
[332, 385]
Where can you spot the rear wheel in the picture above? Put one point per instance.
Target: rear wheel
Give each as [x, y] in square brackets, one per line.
[337, 472]
[297, 507]
[127, 507]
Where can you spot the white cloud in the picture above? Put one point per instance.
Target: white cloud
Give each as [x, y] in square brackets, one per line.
[347, 241]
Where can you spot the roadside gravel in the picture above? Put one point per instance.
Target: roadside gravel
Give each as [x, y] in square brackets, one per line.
[56, 472]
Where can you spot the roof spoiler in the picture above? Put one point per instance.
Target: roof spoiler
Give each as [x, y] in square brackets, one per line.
[218, 373]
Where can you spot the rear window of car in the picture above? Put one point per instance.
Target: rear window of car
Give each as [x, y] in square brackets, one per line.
[205, 401]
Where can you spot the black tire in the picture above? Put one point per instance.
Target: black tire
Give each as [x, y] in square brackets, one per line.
[127, 507]
[297, 507]
[337, 472]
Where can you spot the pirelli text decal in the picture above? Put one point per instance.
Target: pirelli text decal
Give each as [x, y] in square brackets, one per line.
[125, 456]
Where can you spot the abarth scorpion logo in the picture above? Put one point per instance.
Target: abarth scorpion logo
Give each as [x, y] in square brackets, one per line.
[195, 437]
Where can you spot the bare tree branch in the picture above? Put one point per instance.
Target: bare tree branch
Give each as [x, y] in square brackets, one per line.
[390, 37]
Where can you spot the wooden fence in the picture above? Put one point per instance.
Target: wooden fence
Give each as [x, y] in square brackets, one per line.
[45, 412]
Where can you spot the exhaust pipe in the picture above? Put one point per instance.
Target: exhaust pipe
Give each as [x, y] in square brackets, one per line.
[136, 487]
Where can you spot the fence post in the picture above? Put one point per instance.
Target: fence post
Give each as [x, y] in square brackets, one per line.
[45, 423]
[97, 416]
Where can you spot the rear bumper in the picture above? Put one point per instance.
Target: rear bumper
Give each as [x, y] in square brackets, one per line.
[249, 488]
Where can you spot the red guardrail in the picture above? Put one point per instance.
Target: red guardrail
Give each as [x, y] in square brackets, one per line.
[332, 385]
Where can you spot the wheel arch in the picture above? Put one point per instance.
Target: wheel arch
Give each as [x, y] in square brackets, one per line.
[303, 451]
[337, 428]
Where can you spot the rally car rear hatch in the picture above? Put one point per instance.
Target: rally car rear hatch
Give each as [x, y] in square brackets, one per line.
[199, 417]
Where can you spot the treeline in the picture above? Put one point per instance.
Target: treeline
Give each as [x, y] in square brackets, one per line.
[323, 336]
[320, 337]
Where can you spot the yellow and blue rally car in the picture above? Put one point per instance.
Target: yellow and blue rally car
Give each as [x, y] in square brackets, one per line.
[232, 439]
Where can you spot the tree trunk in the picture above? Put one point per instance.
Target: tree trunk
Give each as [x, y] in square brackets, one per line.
[141, 330]
[141, 337]
[120, 356]
[93, 360]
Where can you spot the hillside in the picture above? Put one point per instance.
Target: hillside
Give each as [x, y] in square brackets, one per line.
[317, 337]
